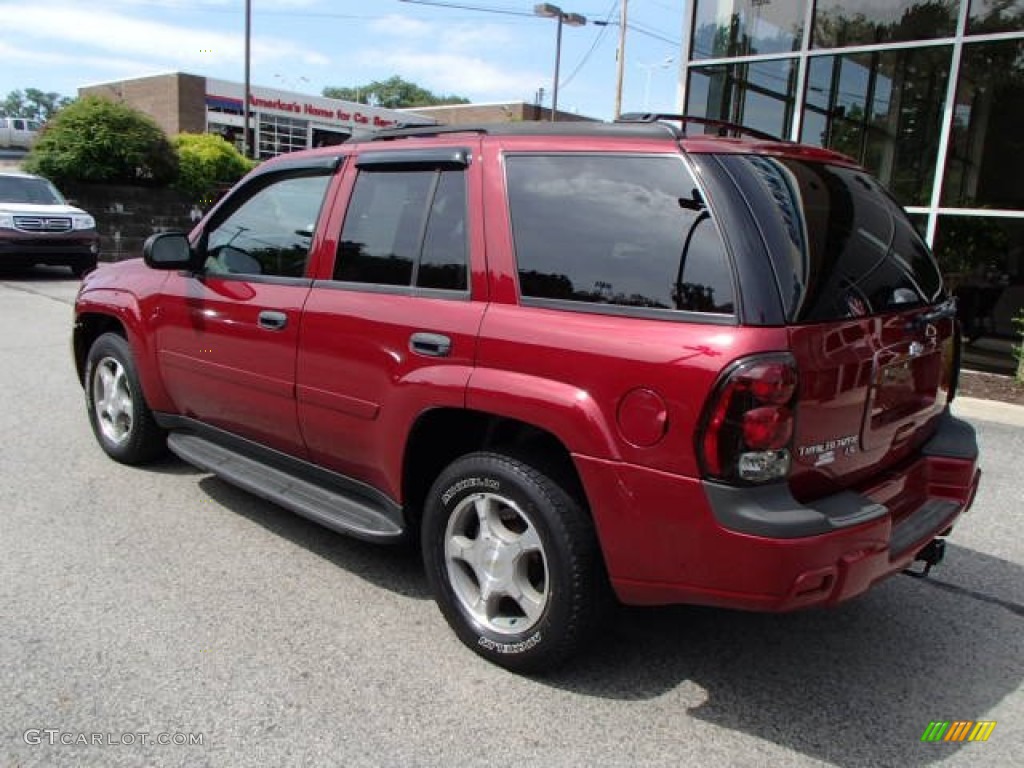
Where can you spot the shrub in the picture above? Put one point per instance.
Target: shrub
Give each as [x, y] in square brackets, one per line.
[96, 140]
[206, 165]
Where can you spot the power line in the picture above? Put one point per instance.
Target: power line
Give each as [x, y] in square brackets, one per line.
[593, 47]
[641, 31]
[467, 7]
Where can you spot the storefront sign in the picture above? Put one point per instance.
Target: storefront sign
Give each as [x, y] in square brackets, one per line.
[312, 110]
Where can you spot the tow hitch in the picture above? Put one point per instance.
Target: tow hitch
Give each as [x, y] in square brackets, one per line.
[931, 555]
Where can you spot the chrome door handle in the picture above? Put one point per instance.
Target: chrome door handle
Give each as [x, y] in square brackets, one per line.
[430, 344]
[271, 320]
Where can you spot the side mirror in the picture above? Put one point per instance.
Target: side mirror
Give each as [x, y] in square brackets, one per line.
[168, 250]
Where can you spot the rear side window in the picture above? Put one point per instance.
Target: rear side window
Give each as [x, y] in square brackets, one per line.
[850, 249]
[627, 231]
[406, 228]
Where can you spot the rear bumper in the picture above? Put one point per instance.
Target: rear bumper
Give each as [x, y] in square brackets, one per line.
[670, 539]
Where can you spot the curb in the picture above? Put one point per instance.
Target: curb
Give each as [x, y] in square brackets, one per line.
[989, 410]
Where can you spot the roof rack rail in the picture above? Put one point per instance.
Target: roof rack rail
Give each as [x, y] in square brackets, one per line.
[406, 130]
[723, 126]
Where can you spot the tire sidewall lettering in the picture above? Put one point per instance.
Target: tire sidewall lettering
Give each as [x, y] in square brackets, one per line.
[472, 484]
[509, 648]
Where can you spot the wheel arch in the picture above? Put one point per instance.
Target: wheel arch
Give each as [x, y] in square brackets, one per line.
[123, 317]
[89, 326]
[441, 435]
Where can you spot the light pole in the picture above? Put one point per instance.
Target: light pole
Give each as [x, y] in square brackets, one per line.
[664, 64]
[549, 11]
[246, 139]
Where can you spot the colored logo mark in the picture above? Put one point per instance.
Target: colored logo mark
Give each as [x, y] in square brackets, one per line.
[958, 730]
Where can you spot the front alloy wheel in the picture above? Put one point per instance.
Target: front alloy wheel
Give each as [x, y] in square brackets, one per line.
[120, 418]
[112, 400]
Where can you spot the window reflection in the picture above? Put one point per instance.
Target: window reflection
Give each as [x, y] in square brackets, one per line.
[758, 95]
[838, 23]
[625, 231]
[744, 27]
[983, 260]
[884, 109]
[995, 16]
[986, 153]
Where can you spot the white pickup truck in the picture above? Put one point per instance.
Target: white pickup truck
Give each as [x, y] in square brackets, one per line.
[18, 132]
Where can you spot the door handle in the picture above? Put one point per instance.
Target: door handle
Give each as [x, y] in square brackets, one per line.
[271, 320]
[430, 344]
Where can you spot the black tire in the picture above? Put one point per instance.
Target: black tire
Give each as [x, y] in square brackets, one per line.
[81, 270]
[125, 427]
[556, 567]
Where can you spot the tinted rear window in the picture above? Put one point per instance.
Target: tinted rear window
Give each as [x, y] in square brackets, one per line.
[629, 231]
[842, 246]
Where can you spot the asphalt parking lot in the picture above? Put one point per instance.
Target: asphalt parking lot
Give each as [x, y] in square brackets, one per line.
[162, 601]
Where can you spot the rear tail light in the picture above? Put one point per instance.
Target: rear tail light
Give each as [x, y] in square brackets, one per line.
[748, 422]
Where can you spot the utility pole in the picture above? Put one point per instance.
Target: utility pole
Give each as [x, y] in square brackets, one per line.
[622, 58]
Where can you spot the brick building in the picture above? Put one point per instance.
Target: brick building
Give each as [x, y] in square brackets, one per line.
[281, 121]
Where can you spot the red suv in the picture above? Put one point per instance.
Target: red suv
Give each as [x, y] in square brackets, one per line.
[572, 359]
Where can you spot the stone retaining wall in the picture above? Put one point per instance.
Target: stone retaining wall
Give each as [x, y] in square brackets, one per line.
[126, 216]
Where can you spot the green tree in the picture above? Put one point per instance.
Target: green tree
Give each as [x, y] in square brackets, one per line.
[392, 93]
[33, 104]
[97, 140]
[206, 165]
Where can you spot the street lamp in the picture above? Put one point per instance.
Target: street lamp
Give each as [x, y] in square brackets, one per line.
[549, 11]
[246, 137]
[664, 64]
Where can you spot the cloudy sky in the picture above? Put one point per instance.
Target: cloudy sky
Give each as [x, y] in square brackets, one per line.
[304, 45]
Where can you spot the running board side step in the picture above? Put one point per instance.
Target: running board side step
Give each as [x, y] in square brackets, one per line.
[332, 507]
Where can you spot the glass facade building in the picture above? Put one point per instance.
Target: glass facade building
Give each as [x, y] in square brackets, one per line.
[927, 94]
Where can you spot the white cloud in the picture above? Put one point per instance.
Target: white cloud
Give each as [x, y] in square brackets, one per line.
[13, 55]
[463, 75]
[157, 43]
[484, 37]
[463, 58]
[396, 25]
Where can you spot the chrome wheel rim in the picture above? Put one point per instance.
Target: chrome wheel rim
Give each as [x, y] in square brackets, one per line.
[496, 563]
[112, 400]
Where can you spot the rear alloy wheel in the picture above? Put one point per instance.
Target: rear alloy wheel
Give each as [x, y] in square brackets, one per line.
[120, 418]
[512, 560]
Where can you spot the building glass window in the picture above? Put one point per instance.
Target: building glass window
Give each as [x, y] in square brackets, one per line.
[920, 222]
[759, 95]
[745, 27]
[278, 135]
[983, 258]
[995, 16]
[985, 161]
[839, 23]
[884, 109]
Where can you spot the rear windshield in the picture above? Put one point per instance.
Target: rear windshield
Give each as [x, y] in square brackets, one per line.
[841, 246]
[24, 189]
